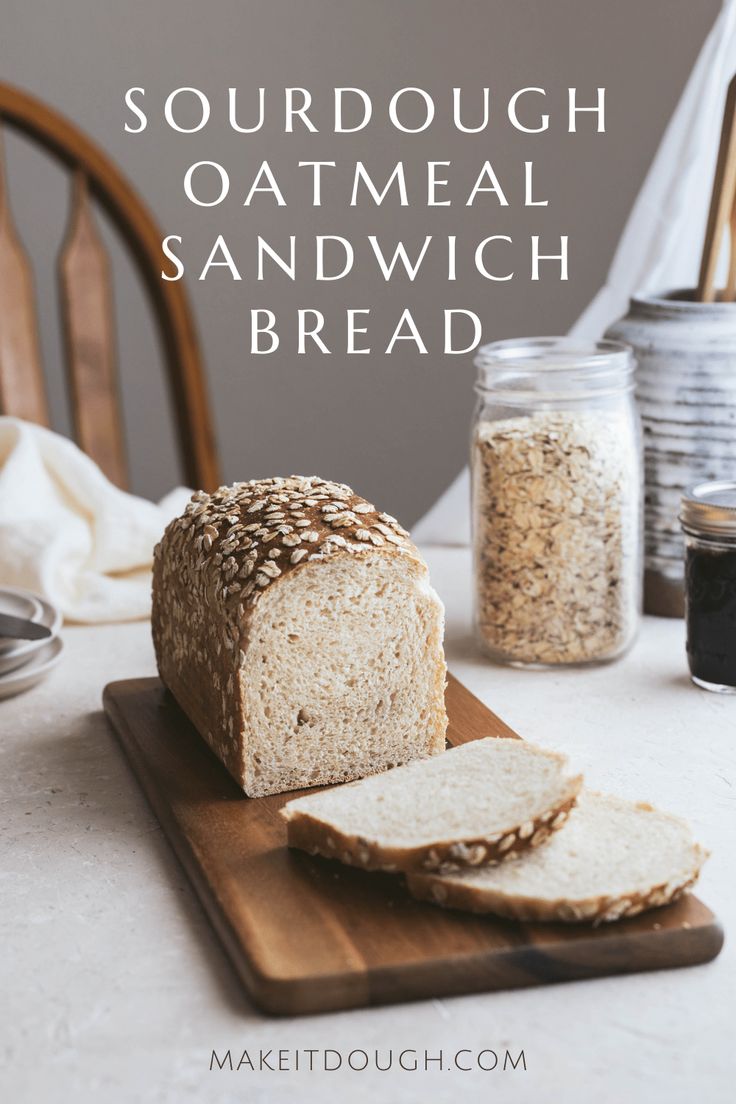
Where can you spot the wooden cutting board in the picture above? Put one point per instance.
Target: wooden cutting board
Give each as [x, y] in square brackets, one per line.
[308, 935]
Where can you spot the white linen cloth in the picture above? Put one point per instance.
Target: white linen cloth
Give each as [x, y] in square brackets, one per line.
[69, 534]
[661, 244]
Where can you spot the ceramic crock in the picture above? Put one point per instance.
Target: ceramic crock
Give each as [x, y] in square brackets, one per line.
[686, 391]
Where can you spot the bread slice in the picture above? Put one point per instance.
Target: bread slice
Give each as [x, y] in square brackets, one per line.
[615, 858]
[297, 628]
[485, 801]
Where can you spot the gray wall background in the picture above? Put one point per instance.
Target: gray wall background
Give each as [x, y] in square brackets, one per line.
[395, 427]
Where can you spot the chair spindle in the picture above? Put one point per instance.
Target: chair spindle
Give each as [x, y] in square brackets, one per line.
[87, 309]
[22, 386]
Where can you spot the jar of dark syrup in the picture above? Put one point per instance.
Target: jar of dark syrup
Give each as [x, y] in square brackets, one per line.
[708, 518]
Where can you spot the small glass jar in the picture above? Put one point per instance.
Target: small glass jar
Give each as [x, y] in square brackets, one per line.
[556, 471]
[708, 519]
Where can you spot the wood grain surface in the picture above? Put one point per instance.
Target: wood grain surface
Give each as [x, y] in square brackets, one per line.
[308, 935]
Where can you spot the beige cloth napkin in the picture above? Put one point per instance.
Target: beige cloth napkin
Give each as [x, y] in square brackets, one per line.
[68, 534]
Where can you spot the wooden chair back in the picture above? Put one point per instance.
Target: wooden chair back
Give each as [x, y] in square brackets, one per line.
[86, 302]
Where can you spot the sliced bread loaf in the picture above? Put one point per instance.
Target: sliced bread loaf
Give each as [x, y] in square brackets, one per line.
[296, 627]
[483, 802]
[615, 858]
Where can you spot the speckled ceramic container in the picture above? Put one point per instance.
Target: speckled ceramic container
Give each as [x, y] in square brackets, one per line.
[686, 390]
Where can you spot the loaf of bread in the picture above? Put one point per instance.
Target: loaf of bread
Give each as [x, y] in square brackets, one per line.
[296, 627]
[614, 858]
[483, 802]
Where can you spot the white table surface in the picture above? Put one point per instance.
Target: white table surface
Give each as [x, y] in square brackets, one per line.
[114, 987]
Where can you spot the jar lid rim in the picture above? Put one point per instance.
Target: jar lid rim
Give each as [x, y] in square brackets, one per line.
[537, 352]
[710, 508]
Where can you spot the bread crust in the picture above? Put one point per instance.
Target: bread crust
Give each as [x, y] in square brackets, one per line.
[212, 567]
[590, 910]
[310, 834]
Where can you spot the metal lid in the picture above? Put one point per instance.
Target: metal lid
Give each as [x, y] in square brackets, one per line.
[710, 508]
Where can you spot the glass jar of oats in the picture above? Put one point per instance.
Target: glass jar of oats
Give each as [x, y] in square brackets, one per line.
[556, 468]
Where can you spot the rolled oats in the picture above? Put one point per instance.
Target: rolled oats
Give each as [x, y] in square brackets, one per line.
[556, 508]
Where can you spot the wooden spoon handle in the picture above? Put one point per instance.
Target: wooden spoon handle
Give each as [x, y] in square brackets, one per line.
[722, 200]
[729, 292]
